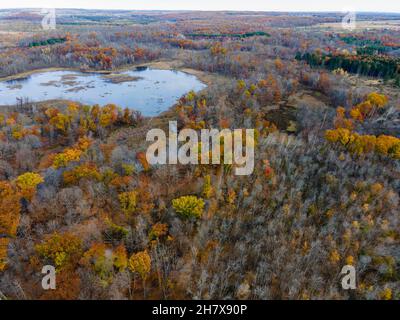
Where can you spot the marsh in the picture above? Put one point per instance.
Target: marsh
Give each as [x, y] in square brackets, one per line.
[150, 91]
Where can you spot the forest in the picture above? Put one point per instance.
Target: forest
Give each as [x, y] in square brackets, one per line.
[77, 192]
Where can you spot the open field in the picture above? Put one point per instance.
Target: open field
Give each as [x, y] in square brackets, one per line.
[364, 25]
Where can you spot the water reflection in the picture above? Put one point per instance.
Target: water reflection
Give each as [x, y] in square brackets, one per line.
[150, 91]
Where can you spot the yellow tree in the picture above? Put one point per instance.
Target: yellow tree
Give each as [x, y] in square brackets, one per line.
[140, 263]
[378, 100]
[61, 122]
[105, 261]
[27, 184]
[84, 171]
[64, 250]
[207, 187]
[128, 201]
[188, 206]
[388, 145]
[64, 158]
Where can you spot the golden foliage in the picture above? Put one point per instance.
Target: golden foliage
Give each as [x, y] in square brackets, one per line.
[108, 115]
[61, 122]
[334, 256]
[241, 84]
[158, 230]
[83, 143]
[388, 145]
[231, 196]
[129, 169]
[51, 112]
[64, 158]
[128, 201]
[85, 171]
[27, 183]
[62, 249]
[188, 206]
[363, 144]
[29, 180]
[368, 107]
[9, 218]
[386, 294]
[350, 260]
[218, 50]
[72, 154]
[11, 121]
[207, 188]
[140, 263]
[73, 108]
[17, 133]
[340, 135]
[3, 253]
[105, 261]
[378, 100]
[120, 258]
[9, 209]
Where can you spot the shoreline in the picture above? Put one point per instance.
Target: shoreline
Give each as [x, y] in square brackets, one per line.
[158, 64]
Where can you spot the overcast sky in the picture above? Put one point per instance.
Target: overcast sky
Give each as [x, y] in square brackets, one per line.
[251, 5]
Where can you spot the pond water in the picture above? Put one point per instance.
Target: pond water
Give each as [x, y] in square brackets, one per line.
[149, 91]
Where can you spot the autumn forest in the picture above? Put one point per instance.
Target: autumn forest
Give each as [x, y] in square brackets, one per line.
[77, 191]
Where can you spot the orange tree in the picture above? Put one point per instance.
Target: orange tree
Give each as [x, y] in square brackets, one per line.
[9, 218]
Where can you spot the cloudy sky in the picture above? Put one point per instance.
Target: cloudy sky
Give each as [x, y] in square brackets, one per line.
[251, 5]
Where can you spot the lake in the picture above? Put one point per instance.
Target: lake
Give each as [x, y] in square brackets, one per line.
[147, 90]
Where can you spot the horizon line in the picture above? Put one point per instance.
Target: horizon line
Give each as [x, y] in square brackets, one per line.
[197, 10]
